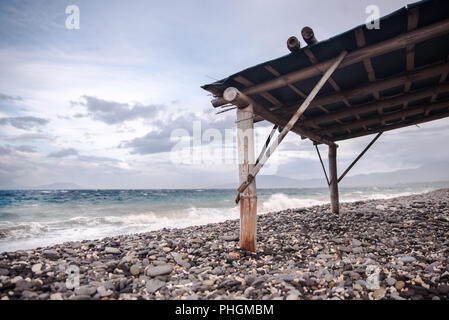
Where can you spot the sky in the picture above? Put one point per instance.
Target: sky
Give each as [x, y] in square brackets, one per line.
[116, 103]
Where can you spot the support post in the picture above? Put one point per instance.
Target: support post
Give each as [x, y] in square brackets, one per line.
[335, 206]
[248, 199]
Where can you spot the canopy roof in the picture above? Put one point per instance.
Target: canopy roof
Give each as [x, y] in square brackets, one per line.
[392, 77]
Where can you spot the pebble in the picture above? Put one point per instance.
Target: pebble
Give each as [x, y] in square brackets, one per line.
[179, 260]
[230, 238]
[51, 254]
[399, 285]
[379, 293]
[159, 270]
[85, 290]
[153, 285]
[36, 267]
[135, 269]
[407, 259]
[56, 296]
[112, 250]
[396, 297]
[390, 281]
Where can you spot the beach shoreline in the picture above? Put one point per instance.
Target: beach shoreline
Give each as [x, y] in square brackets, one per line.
[393, 248]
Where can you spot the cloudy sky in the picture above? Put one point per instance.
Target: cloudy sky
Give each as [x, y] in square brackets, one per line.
[104, 105]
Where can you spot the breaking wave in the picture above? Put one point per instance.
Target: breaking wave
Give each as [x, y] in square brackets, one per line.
[30, 219]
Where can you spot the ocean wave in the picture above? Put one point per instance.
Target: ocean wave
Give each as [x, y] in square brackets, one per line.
[25, 226]
[29, 234]
[281, 201]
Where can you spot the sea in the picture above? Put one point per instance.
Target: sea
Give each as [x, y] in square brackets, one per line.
[38, 218]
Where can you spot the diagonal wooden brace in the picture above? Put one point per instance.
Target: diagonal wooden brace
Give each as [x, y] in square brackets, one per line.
[231, 93]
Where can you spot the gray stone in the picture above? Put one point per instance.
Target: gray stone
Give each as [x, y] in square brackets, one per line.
[51, 254]
[208, 283]
[85, 290]
[179, 260]
[159, 270]
[70, 251]
[81, 297]
[431, 267]
[390, 281]
[293, 295]
[443, 289]
[230, 237]
[379, 293]
[36, 267]
[112, 250]
[103, 292]
[407, 259]
[396, 297]
[356, 243]
[329, 277]
[153, 285]
[43, 296]
[135, 269]
[56, 296]
[22, 285]
[4, 272]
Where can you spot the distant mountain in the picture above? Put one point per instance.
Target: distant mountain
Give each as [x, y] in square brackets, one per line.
[434, 172]
[52, 186]
[59, 186]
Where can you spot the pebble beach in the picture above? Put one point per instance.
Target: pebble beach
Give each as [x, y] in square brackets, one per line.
[394, 249]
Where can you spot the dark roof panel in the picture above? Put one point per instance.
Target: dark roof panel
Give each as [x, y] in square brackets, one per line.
[391, 65]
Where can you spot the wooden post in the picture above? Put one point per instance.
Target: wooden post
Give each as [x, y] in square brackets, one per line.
[335, 207]
[248, 199]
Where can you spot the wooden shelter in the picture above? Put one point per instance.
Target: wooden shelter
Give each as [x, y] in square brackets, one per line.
[361, 82]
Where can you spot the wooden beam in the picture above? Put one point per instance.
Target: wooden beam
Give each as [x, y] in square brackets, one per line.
[335, 86]
[387, 117]
[361, 42]
[378, 85]
[359, 156]
[333, 184]
[385, 103]
[293, 44]
[375, 86]
[242, 100]
[248, 203]
[308, 35]
[443, 77]
[412, 24]
[394, 126]
[286, 129]
[274, 72]
[322, 165]
[398, 42]
[267, 143]
[242, 80]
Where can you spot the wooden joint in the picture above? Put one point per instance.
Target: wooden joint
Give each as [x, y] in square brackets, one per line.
[248, 197]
